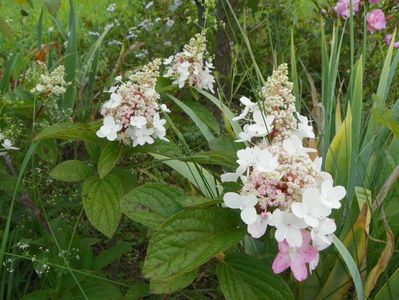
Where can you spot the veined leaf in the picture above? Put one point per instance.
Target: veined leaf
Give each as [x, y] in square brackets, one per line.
[69, 131]
[172, 284]
[109, 156]
[151, 204]
[244, 277]
[71, 171]
[189, 239]
[101, 202]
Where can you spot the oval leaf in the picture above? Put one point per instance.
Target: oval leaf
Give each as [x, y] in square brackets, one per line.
[71, 171]
[244, 277]
[151, 204]
[70, 131]
[109, 156]
[189, 239]
[172, 284]
[101, 198]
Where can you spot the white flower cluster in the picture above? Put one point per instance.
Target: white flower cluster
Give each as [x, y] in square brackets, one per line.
[190, 66]
[50, 83]
[132, 114]
[281, 185]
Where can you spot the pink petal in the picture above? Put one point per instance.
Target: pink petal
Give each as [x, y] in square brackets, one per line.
[298, 268]
[280, 263]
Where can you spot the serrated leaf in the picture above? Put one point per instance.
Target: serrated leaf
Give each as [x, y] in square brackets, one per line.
[71, 171]
[151, 204]
[189, 239]
[69, 131]
[172, 284]
[244, 277]
[101, 202]
[109, 156]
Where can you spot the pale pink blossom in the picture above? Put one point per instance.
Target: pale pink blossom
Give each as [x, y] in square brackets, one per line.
[388, 40]
[375, 20]
[296, 258]
[343, 8]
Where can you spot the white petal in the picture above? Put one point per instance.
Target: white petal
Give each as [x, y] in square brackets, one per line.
[297, 209]
[248, 215]
[249, 200]
[294, 237]
[311, 221]
[232, 200]
[257, 229]
[338, 192]
[281, 233]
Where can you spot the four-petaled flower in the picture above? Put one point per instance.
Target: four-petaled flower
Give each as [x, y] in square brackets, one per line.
[296, 258]
[109, 129]
[288, 227]
[310, 210]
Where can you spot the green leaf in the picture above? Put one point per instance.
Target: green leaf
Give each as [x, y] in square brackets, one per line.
[127, 178]
[69, 131]
[109, 156]
[204, 114]
[151, 204]
[202, 126]
[197, 175]
[47, 150]
[189, 239]
[94, 150]
[390, 290]
[351, 265]
[71, 171]
[71, 61]
[110, 255]
[137, 292]
[172, 284]
[101, 202]
[244, 277]
[225, 110]
[215, 158]
[194, 200]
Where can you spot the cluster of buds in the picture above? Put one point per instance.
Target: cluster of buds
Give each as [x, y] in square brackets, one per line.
[49, 83]
[191, 65]
[281, 186]
[132, 114]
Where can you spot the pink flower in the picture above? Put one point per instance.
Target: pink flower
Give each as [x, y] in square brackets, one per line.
[296, 258]
[375, 20]
[374, 1]
[343, 7]
[388, 39]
